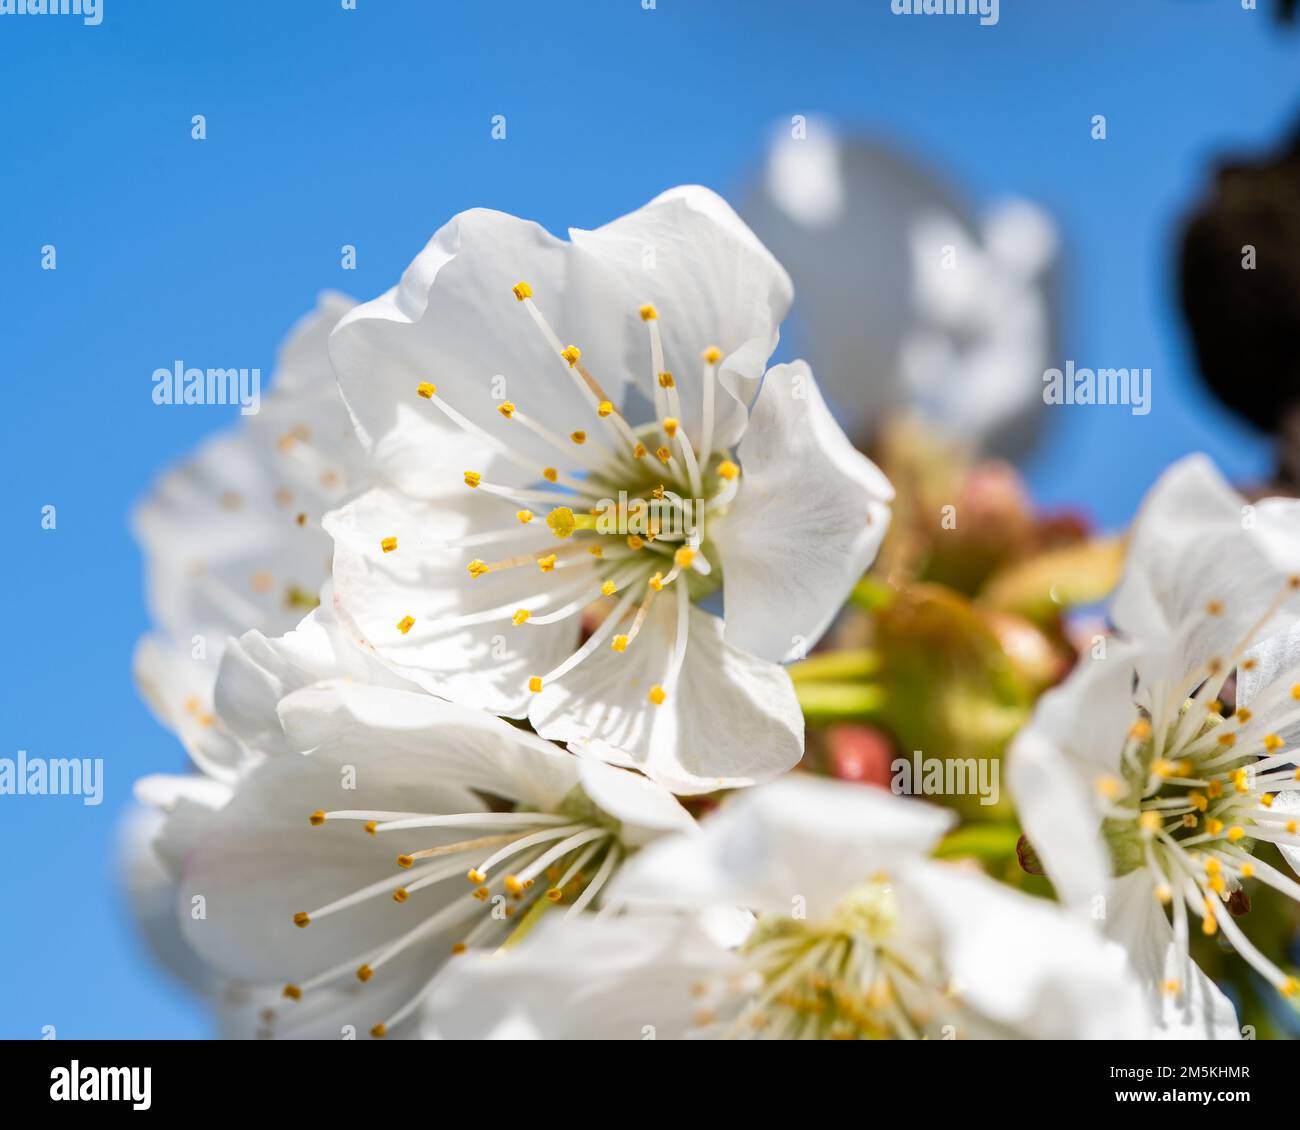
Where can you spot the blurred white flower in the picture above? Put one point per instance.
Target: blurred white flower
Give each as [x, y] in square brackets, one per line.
[1141, 799]
[857, 935]
[232, 538]
[909, 303]
[535, 480]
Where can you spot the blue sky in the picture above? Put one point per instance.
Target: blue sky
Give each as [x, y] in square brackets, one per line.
[371, 127]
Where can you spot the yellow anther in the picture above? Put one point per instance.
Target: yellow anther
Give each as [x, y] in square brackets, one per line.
[712, 355]
[596, 551]
[459, 948]
[664, 454]
[405, 624]
[571, 353]
[638, 451]
[388, 545]
[1266, 800]
[1247, 870]
[1290, 828]
[482, 894]
[1235, 833]
[371, 827]
[1164, 895]
[302, 919]
[670, 426]
[513, 885]
[1213, 826]
[1295, 692]
[683, 557]
[578, 437]
[292, 992]
[1217, 884]
[401, 894]
[475, 876]
[535, 683]
[659, 491]
[666, 380]
[1212, 865]
[1272, 743]
[473, 478]
[547, 564]
[1214, 607]
[525, 516]
[1227, 740]
[1163, 768]
[1244, 715]
[316, 819]
[477, 567]
[634, 542]
[554, 894]
[618, 643]
[522, 290]
[520, 617]
[657, 582]
[426, 390]
[1149, 821]
[1189, 820]
[1214, 790]
[604, 408]
[562, 522]
[1290, 987]
[728, 470]
[506, 408]
[1215, 707]
[609, 588]
[1173, 988]
[379, 1031]
[657, 695]
[550, 474]
[1140, 731]
[1250, 664]
[1111, 788]
[405, 861]
[648, 313]
[1208, 925]
[1198, 801]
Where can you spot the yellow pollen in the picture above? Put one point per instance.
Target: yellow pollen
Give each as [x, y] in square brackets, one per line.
[546, 564]
[1111, 788]
[513, 885]
[665, 380]
[1209, 925]
[596, 551]
[1215, 707]
[712, 355]
[1295, 692]
[639, 451]
[1228, 740]
[618, 643]
[1149, 821]
[1189, 820]
[1272, 743]
[1235, 833]
[317, 818]
[561, 521]
[578, 437]
[1214, 789]
[1164, 768]
[1215, 608]
[535, 683]
[1140, 730]
[670, 426]
[1266, 800]
[520, 617]
[292, 992]
[1173, 988]
[522, 290]
[657, 582]
[388, 545]
[657, 695]
[664, 454]
[378, 1032]
[400, 895]
[426, 390]
[1198, 801]
[482, 894]
[1293, 583]
[459, 948]
[525, 516]
[571, 353]
[634, 542]
[554, 894]
[1247, 870]
[473, 478]
[609, 588]
[477, 567]
[1250, 665]
[648, 313]
[1214, 827]
[1217, 884]
[683, 557]
[405, 861]
[604, 408]
[506, 408]
[1164, 895]
[371, 826]
[1290, 828]
[728, 470]
[1212, 865]
[1244, 716]
[1290, 987]
[475, 876]
[550, 474]
[302, 919]
[405, 624]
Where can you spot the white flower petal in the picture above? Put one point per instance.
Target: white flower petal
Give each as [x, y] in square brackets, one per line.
[644, 809]
[807, 520]
[731, 720]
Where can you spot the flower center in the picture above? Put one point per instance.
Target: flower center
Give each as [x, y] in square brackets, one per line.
[847, 978]
[503, 856]
[631, 513]
[1196, 796]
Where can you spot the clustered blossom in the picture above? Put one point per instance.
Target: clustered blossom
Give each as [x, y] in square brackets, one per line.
[503, 583]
